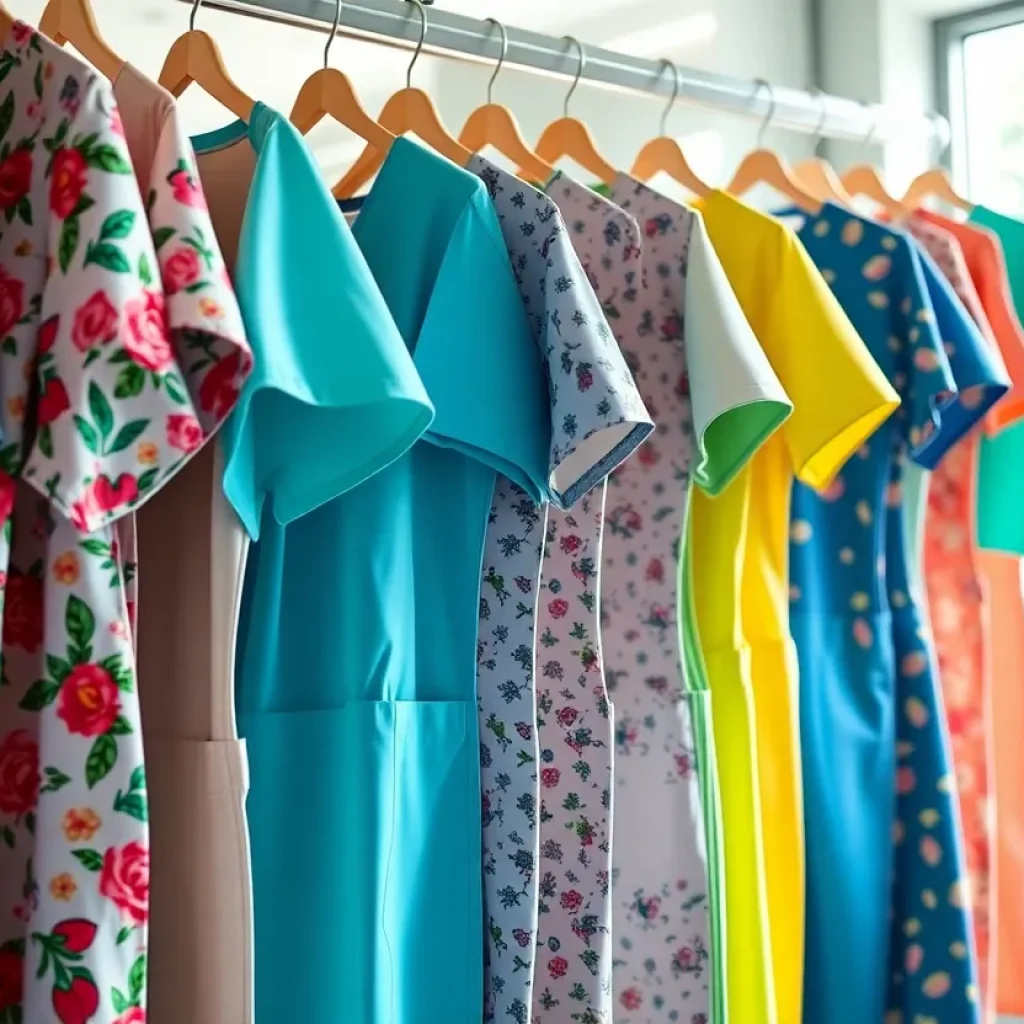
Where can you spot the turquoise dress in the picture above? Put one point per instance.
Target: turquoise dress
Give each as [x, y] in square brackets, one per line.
[871, 716]
[356, 669]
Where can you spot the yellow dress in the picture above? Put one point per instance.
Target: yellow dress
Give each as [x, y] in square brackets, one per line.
[738, 587]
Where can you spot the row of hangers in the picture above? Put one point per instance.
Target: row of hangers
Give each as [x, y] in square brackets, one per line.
[196, 58]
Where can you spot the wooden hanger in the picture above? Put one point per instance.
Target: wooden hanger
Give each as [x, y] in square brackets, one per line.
[765, 166]
[818, 176]
[329, 93]
[495, 125]
[7, 21]
[73, 21]
[408, 110]
[569, 137]
[665, 154]
[935, 183]
[195, 57]
[866, 180]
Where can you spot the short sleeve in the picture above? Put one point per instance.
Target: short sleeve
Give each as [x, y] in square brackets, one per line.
[736, 398]
[129, 387]
[334, 396]
[946, 354]
[839, 394]
[477, 357]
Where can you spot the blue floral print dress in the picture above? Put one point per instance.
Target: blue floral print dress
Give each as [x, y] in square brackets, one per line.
[870, 712]
[597, 419]
[114, 371]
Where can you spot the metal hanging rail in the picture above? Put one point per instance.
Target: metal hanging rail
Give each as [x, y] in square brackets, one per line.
[396, 22]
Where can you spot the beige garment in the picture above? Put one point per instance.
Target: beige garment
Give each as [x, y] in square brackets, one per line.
[191, 554]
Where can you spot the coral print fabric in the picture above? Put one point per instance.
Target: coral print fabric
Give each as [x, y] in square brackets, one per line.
[959, 615]
[115, 366]
[872, 720]
[597, 419]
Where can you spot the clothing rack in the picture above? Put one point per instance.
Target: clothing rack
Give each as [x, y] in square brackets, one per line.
[454, 35]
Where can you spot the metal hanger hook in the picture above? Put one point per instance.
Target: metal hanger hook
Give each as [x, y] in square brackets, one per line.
[676, 85]
[819, 128]
[334, 30]
[192, 15]
[419, 45]
[579, 72]
[501, 59]
[759, 84]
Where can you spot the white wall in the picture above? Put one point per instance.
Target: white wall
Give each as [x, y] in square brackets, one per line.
[752, 38]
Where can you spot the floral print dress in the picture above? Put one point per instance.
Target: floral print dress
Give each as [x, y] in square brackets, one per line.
[113, 373]
[597, 419]
[872, 721]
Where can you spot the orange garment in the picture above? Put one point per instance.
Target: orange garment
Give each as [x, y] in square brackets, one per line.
[971, 618]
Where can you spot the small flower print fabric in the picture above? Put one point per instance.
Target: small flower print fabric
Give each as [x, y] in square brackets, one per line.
[597, 419]
[114, 372]
[959, 612]
[736, 605]
[872, 719]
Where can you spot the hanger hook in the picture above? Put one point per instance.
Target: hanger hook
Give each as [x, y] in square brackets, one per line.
[501, 59]
[192, 15]
[334, 30]
[419, 45]
[579, 72]
[865, 143]
[676, 84]
[759, 84]
[819, 128]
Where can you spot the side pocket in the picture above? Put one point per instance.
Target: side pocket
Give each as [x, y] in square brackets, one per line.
[365, 831]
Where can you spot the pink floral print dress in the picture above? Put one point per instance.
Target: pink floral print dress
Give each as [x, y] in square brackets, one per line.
[597, 419]
[114, 369]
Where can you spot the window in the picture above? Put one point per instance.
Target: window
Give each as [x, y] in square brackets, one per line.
[981, 90]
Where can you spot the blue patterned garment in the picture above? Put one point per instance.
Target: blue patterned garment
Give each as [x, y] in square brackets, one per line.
[887, 929]
[597, 420]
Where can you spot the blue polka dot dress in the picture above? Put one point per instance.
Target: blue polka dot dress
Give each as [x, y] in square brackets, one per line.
[888, 931]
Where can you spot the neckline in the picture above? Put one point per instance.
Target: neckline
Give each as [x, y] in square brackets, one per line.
[236, 131]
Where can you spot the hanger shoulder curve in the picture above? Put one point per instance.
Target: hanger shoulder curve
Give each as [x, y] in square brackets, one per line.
[495, 125]
[570, 137]
[935, 182]
[196, 57]
[819, 178]
[73, 21]
[329, 92]
[764, 166]
[666, 155]
[866, 180]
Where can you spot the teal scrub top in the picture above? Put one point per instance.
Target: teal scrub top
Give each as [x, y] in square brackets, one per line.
[1000, 480]
[356, 666]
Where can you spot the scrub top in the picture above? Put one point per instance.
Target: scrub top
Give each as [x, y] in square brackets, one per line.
[356, 676]
[737, 550]
[717, 400]
[872, 720]
[596, 419]
[1001, 537]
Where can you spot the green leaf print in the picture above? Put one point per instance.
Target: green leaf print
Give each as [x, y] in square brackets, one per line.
[137, 980]
[127, 435]
[6, 115]
[119, 1001]
[130, 382]
[145, 274]
[107, 158]
[10, 457]
[25, 210]
[162, 236]
[108, 256]
[58, 668]
[37, 81]
[95, 547]
[138, 779]
[45, 440]
[84, 203]
[117, 225]
[9, 346]
[175, 389]
[124, 933]
[55, 780]
[79, 621]
[69, 235]
[88, 434]
[100, 760]
[147, 479]
[102, 414]
[41, 694]
[121, 673]
[89, 859]
[121, 727]
[135, 805]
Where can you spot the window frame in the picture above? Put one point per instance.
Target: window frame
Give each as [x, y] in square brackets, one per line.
[950, 93]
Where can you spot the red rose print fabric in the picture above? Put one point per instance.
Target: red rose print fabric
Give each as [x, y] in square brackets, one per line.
[116, 362]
